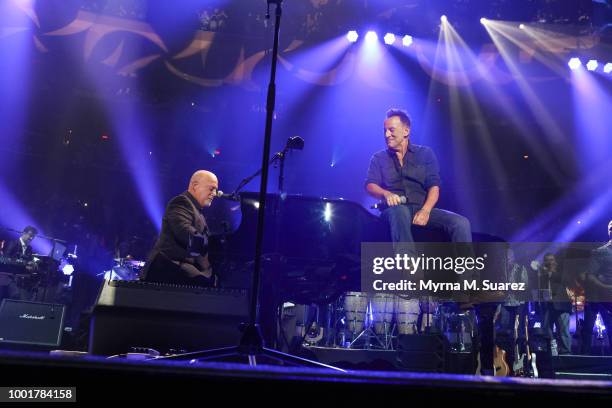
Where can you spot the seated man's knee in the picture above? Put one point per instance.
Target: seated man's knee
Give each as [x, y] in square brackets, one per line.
[397, 212]
[462, 223]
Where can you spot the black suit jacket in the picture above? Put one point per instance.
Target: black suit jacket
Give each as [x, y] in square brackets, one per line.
[13, 250]
[182, 220]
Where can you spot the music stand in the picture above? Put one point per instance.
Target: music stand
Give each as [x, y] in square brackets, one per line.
[251, 344]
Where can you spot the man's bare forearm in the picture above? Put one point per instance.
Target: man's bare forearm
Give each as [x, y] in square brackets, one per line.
[376, 191]
[432, 198]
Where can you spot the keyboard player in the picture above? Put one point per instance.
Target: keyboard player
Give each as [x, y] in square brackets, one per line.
[17, 262]
[21, 248]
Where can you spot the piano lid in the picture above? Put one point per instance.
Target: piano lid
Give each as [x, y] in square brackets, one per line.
[296, 226]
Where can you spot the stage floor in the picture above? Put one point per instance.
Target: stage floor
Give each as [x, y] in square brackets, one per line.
[98, 378]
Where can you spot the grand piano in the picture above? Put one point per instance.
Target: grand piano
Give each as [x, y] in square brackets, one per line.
[312, 245]
[311, 248]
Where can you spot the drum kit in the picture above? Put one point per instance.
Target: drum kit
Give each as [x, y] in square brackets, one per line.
[125, 269]
[359, 320]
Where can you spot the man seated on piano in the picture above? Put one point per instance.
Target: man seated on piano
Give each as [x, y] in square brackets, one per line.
[180, 253]
[406, 176]
[20, 248]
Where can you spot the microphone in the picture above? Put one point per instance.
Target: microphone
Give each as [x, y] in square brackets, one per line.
[232, 196]
[295, 143]
[383, 204]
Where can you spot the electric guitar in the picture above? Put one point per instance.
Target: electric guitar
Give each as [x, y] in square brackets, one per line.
[502, 369]
[518, 368]
[524, 365]
[500, 366]
[531, 357]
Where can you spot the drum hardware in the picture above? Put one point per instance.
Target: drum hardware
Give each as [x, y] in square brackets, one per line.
[382, 306]
[368, 334]
[370, 318]
[359, 320]
[306, 325]
[124, 269]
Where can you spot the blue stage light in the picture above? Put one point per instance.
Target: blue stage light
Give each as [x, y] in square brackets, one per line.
[574, 63]
[327, 213]
[352, 36]
[608, 68]
[407, 41]
[592, 65]
[68, 269]
[371, 36]
[389, 38]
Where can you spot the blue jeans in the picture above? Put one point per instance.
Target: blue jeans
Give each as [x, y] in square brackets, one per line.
[400, 218]
[561, 321]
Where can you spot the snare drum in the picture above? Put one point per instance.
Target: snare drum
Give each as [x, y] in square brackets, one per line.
[406, 315]
[355, 308]
[382, 312]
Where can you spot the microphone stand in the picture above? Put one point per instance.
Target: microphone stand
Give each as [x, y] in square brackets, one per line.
[293, 143]
[247, 180]
[251, 344]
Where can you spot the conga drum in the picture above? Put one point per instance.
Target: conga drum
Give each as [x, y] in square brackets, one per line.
[406, 315]
[355, 309]
[382, 312]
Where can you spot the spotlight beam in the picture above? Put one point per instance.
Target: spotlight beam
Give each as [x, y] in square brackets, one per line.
[541, 113]
[509, 32]
[460, 110]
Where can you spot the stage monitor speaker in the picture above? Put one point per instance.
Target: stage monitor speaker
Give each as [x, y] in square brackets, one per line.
[167, 318]
[31, 324]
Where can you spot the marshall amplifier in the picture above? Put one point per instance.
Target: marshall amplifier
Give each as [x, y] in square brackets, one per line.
[135, 314]
[30, 324]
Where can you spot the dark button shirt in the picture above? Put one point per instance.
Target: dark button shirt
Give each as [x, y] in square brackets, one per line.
[419, 173]
[556, 282]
